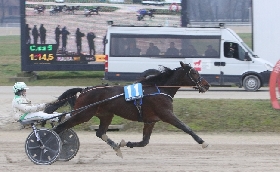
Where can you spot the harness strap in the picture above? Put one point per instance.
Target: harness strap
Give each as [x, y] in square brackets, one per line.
[138, 102]
[158, 92]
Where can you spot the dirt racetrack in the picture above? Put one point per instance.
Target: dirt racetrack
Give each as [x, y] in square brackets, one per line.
[176, 152]
[167, 152]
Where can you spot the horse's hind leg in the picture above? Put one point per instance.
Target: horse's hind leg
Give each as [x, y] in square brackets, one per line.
[173, 120]
[105, 121]
[147, 131]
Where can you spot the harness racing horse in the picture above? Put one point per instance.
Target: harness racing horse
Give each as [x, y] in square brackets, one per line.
[71, 10]
[143, 12]
[57, 9]
[39, 9]
[89, 12]
[156, 104]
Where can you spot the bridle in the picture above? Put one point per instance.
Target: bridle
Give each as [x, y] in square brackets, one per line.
[196, 81]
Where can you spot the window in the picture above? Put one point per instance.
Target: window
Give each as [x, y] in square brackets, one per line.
[234, 50]
[164, 46]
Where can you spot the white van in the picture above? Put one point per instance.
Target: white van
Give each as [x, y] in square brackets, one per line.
[218, 53]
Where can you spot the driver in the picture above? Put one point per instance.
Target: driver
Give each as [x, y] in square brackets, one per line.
[25, 111]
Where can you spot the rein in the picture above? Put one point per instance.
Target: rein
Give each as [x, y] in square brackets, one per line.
[79, 110]
[170, 86]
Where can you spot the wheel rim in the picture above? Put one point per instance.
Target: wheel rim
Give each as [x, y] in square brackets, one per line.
[251, 83]
[43, 154]
[70, 145]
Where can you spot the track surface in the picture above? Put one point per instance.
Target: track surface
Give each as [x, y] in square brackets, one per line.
[176, 152]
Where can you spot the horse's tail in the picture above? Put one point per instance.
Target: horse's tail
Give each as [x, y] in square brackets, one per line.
[68, 96]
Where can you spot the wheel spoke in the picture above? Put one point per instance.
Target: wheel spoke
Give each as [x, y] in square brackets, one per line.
[47, 141]
[34, 147]
[51, 150]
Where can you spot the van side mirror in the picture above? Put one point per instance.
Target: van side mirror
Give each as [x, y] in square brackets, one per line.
[247, 57]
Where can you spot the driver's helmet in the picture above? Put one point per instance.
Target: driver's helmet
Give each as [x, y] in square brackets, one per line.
[19, 86]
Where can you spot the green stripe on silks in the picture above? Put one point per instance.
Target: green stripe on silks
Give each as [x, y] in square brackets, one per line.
[23, 116]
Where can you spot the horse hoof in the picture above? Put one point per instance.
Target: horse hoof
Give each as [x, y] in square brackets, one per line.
[119, 153]
[122, 143]
[205, 145]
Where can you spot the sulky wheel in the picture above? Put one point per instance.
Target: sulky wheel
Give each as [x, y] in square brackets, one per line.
[46, 150]
[70, 145]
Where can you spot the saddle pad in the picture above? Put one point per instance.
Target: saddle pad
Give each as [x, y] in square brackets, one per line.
[132, 92]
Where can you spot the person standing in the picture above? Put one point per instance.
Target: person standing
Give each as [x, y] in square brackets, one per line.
[35, 34]
[64, 33]
[79, 36]
[43, 33]
[57, 33]
[90, 38]
[27, 34]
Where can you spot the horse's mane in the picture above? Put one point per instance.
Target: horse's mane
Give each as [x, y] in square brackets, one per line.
[160, 78]
[87, 89]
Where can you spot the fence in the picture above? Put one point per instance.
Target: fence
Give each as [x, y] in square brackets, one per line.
[9, 29]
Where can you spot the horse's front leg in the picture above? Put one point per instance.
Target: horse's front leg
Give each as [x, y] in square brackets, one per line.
[147, 131]
[173, 120]
[105, 121]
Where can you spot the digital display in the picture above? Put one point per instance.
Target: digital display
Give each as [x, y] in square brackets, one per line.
[47, 54]
[42, 48]
[53, 38]
[67, 36]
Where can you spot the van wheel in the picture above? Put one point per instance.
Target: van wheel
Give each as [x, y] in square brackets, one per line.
[251, 83]
[149, 72]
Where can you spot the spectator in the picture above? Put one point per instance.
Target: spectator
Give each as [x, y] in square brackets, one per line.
[189, 52]
[91, 46]
[79, 36]
[43, 33]
[57, 33]
[35, 34]
[27, 34]
[152, 50]
[210, 51]
[172, 51]
[64, 33]
[132, 49]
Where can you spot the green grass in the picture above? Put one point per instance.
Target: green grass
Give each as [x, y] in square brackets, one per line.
[211, 115]
[10, 58]
[247, 38]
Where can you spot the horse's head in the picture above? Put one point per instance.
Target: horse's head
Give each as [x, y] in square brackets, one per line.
[201, 84]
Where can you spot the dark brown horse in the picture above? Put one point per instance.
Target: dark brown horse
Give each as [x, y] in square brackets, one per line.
[156, 104]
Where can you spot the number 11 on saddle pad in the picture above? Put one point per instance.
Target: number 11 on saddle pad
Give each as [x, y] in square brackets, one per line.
[133, 91]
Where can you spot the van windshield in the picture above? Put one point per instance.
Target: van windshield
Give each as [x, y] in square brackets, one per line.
[165, 46]
[249, 50]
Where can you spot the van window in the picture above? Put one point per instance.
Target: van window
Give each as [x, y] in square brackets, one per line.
[234, 50]
[163, 46]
